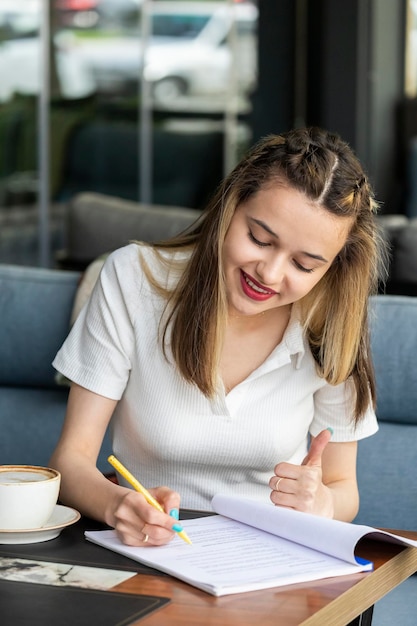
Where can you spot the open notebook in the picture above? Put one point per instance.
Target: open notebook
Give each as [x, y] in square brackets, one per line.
[253, 545]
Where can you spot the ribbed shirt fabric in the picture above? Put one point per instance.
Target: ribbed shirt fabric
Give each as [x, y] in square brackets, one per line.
[164, 429]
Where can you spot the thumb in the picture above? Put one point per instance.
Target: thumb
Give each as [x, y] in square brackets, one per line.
[317, 447]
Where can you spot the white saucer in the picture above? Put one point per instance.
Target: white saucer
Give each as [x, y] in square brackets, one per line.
[62, 516]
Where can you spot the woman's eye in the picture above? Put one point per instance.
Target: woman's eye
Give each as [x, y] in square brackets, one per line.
[302, 268]
[252, 237]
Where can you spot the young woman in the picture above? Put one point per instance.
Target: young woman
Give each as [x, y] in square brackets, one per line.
[217, 356]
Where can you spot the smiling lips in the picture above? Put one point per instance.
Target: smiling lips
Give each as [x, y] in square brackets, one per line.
[253, 289]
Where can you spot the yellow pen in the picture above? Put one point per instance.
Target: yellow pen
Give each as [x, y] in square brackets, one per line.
[141, 489]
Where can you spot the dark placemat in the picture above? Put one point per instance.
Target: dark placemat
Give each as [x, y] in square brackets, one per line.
[72, 547]
[40, 605]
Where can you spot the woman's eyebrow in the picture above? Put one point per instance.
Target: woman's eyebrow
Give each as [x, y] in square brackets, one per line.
[262, 224]
[317, 257]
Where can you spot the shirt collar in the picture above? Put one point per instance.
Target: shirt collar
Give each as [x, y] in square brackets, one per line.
[294, 338]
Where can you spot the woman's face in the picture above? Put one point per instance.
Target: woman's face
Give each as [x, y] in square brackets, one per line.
[278, 246]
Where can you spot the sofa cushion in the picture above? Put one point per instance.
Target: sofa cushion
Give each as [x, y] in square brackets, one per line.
[98, 224]
[30, 421]
[394, 348]
[35, 308]
[404, 265]
[30, 425]
[386, 461]
[386, 477]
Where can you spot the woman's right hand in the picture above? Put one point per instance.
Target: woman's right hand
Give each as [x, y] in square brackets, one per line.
[138, 523]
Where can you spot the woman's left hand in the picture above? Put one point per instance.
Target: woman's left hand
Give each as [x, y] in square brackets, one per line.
[301, 487]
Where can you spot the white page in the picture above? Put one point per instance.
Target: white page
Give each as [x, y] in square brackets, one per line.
[320, 533]
[227, 556]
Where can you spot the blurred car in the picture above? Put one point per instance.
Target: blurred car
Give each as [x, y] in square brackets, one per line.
[201, 48]
[21, 71]
[18, 18]
[193, 48]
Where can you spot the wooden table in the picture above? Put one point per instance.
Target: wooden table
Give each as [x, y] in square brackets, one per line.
[329, 602]
[333, 602]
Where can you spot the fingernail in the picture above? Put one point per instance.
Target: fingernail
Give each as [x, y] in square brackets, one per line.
[330, 429]
[177, 527]
[175, 513]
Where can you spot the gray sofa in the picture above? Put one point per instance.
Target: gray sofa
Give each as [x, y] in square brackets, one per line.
[35, 309]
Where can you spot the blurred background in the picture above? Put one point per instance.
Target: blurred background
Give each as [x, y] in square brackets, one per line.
[155, 101]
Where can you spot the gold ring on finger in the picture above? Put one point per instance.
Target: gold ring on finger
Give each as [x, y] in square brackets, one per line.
[277, 484]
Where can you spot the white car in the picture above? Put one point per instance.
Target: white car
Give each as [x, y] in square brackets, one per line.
[194, 49]
[216, 53]
[21, 71]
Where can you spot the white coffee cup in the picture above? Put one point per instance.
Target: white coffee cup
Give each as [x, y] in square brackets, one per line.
[28, 495]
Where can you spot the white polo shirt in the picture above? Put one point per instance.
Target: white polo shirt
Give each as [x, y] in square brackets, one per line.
[164, 429]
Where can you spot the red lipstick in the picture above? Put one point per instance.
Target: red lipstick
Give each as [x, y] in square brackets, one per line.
[253, 289]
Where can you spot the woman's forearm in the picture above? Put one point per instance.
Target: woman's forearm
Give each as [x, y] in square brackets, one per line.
[345, 497]
[85, 488]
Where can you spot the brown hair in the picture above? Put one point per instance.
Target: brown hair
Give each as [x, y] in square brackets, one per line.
[334, 313]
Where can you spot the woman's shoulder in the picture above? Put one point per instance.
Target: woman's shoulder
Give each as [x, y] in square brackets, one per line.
[141, 265]
[126, 255]
[126, 262]
[134, 253]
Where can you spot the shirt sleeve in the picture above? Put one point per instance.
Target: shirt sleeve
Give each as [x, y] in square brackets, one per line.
[97, 353]
[333, 406]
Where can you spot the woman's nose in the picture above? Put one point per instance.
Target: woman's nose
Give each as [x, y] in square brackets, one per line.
[271, 271]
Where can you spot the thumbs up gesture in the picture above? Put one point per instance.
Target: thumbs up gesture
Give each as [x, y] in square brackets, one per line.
[313, 458]
[301, 487]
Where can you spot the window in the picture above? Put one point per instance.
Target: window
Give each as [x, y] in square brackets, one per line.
[122, 116]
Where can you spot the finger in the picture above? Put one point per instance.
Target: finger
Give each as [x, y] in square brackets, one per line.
[135, 518]
[277, 483]
[145, 538]
[317, 447]
[169, 500]
[140, 533]
[149, 536]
